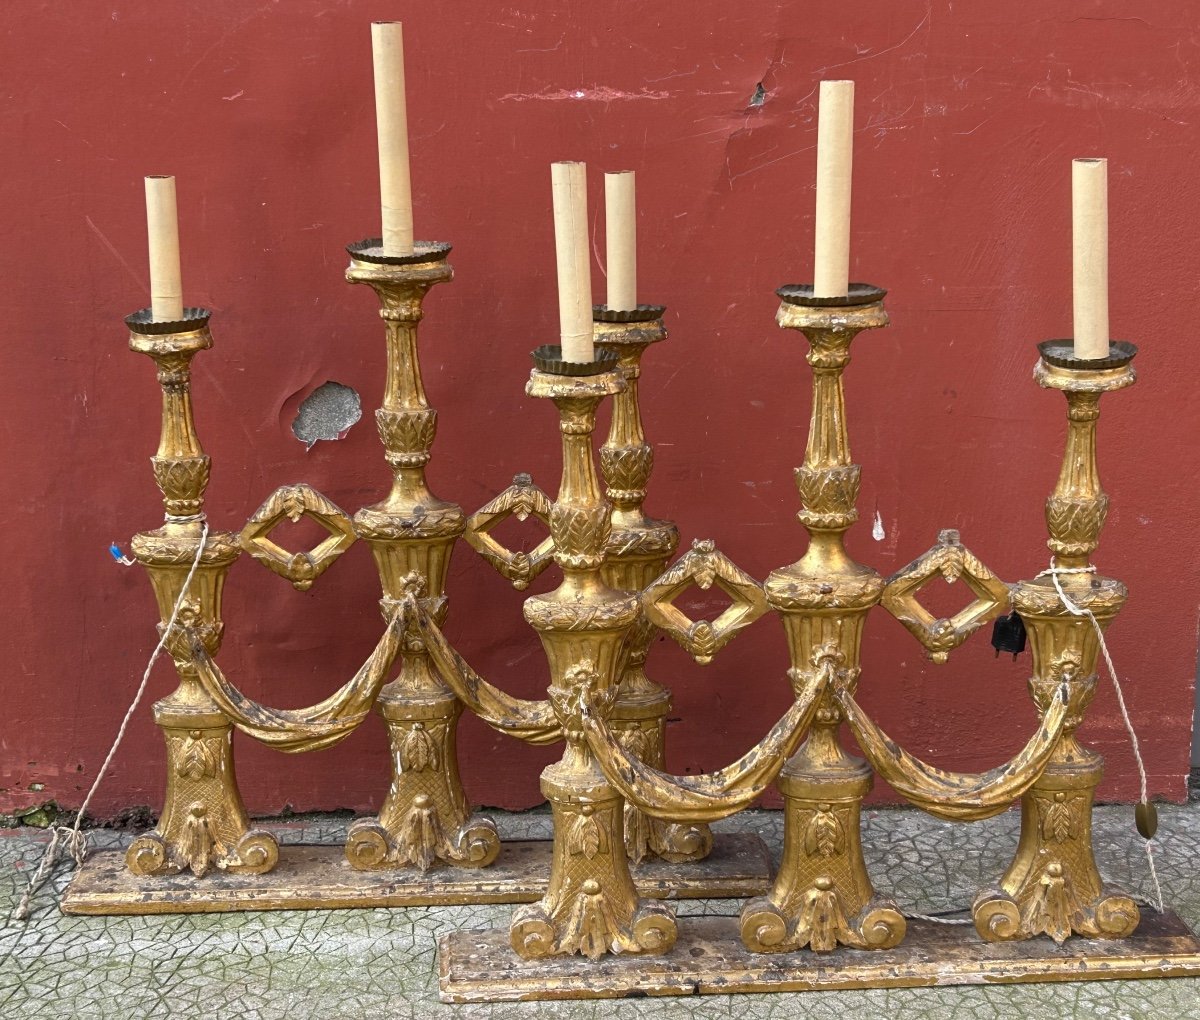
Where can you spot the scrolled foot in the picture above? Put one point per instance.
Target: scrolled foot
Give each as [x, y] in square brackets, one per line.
[680, 843]
[147, 855]
[367, 845]
[256, 853]
[531, 933]
[763, 927]
[654, 928]
[1116, 915]
[997, 916]
[478, 843]
[880, 925]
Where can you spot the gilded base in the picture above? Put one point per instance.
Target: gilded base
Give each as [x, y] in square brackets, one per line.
[203, 824]
[320, 878]
[822, 897]
[590, 906]
[709, 959]
[1053, 886]
[425, 818]
[639, 720]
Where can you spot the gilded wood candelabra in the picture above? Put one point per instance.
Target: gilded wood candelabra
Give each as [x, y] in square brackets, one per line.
[823, 903]
[638, 550]
[590, 905]
[425, 817]
[203, 822]
[823, 896]
[1053, 886]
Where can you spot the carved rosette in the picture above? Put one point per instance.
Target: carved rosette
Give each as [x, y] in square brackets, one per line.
[425, 818]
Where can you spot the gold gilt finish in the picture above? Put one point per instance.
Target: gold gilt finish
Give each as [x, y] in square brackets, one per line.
[291, 502]
[477, 966]
[1053, 886]
[950, 561]
[203, 824]
[822, 896]
[638, 550]
[590, 906]
[425, 818]
[822, 910]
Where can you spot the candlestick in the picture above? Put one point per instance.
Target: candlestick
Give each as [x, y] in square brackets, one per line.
[1089, 235]
[835, 148]
[391, 119]
[620, 232]
[162, 228]
[569, 186]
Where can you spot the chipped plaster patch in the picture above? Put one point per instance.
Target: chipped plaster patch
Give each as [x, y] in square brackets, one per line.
[327, 413]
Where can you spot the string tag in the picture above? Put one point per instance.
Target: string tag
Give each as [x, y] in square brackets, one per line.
[114, 551]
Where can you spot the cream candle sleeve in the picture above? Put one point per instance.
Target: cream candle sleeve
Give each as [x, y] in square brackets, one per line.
[162, 229]
[569, 188]
[1089, 242]
[620, 230]
[835, 150]
[391, 121]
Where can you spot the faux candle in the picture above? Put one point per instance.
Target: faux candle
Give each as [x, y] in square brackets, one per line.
[569, 186]
[835, 148]
[162, 228]
[391, 121]
[620, 231]
[1089, 237]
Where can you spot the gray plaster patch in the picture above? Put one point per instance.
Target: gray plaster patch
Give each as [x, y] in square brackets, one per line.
[327, 413]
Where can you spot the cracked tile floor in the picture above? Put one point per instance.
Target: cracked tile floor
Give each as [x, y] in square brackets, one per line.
[295, 965]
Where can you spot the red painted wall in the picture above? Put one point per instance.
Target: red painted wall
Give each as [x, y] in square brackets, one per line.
[967, 117]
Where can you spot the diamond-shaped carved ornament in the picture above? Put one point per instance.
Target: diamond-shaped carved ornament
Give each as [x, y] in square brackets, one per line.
[522, 499]
[951, 561]
[704, 566]
[293, 502]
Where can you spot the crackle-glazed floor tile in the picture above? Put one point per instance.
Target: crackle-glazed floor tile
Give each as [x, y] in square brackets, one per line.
[295, 965]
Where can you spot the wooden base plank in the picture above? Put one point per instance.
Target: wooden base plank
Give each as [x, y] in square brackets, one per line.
[709, 959]
[310, 877]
